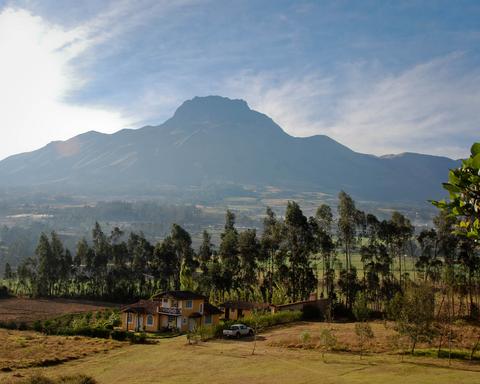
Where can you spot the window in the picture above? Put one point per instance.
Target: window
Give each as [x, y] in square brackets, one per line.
[184, 320]
[208, 319]
[189, 304]
[201, 307]
[171, 319]
[165, 300]
[150, 320]
[129, 318]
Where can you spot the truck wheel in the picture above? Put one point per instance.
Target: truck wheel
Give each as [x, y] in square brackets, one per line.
[250, 333]
[238, 335]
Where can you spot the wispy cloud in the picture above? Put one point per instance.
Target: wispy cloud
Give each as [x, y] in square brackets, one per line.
[39, 70]
[430, 108]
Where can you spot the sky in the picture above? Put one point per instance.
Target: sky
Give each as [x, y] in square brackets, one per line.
[381, 77]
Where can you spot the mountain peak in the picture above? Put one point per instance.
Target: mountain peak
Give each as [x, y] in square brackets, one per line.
[212, 108]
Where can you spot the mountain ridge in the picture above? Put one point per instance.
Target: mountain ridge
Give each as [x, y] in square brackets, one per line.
[214, 139]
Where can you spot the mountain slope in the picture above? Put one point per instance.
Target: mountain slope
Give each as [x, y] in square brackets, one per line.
[218, 140]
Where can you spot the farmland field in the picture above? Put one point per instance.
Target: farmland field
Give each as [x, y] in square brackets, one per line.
[173, 360]
[28, 310]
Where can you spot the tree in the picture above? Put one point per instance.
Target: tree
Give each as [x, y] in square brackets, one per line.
[415, 314]
[299, 244]
[228, 252]
[464, 207]
[270, 243]
[46, 266]
[347, 219]
[464, 188]
[205, 252]
[8, 273]
[364, 334]
[248, 252]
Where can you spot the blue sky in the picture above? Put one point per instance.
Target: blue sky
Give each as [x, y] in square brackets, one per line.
[380, 77]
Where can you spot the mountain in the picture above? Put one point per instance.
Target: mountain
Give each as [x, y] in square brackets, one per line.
[216, 140]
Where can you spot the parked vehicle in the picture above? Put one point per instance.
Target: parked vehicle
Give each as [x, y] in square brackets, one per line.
[238, 330]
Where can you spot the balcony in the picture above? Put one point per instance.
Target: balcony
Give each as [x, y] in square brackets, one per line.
[169, 311]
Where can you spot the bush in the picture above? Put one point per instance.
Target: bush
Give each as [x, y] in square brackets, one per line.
[305, 337]
[140, 338]
[312, 312]
[119, 335]
[37, 326]
[360, 307]
[77, 379]
[4, 293]
[22, 326]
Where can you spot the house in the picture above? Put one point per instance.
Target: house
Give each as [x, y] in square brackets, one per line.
[183, 310]
[234, 310]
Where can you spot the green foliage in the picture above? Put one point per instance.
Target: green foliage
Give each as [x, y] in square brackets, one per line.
[415, 316]
[328, 340]
[264, 321]
[305, 337]
[364, 333]
[360, 309]
[463, 187]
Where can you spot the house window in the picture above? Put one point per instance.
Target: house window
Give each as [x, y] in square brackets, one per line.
[208, 319]
[171, 319]
[150, 320]
[165, 300]
[129, 318]
[189, 304]
[184, 320]
[201, 307]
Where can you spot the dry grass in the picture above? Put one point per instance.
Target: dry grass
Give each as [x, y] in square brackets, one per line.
[29, 310]
[23, 349]
[384, 337]
[172, 360]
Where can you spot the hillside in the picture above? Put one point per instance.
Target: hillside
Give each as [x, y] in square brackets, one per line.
[216, 140]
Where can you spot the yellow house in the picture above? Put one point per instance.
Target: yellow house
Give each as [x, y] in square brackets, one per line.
[182, 310]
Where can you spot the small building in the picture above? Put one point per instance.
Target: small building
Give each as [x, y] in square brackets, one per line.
[321, 304]
[182, 310]
[236, 309]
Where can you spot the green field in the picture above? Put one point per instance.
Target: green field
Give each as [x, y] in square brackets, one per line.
[223, 361]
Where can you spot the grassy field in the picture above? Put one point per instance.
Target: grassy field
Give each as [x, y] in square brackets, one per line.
[173, 360]
[26, 349]
[28, 310]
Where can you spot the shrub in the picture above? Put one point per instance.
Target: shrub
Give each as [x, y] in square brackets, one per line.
[312, 312]
[119, 335]
[328, 341]
[4, 293]
[305, 337]
[140, 338]
[364, 334]
[37, 326]
[77, 379]
[360, 307]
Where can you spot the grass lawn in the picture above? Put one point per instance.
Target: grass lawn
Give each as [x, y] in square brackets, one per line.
[173, 360]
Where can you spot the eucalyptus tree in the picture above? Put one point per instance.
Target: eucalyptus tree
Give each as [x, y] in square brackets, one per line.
[228, 252]
[322, 228]
[249, 254]
[271, 240]
[299, 245]
[346, 224]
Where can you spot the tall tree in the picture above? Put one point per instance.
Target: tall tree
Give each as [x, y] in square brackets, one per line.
[299, 244]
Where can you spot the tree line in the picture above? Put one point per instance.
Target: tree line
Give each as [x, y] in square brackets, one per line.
[350, 258]
[293, 256]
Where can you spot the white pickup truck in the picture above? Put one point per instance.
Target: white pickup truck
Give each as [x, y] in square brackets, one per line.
[238, 330]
